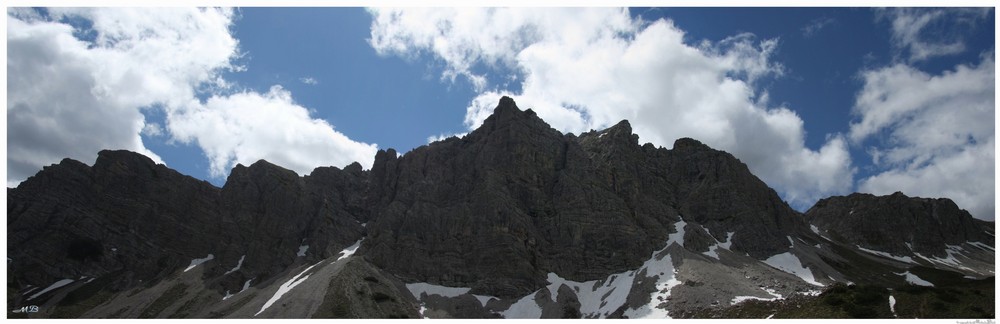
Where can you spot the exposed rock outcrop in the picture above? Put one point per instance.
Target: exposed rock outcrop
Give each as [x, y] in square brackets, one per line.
[898, 224]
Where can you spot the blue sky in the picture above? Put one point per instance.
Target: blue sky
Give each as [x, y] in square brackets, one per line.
[817, 101]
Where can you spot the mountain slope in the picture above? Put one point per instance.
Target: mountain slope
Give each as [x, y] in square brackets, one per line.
[512, 220]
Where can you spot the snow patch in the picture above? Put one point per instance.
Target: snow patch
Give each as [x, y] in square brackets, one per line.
[238, 265]
[712, 249]
[729, 241]
[913, 279]
[349, 250]
[663, 269]
[892, 305]
[285, 288]
[982, 246]
[420, 288]
[484, 299]
[812, 293]
[525, 307]
[196, 262]
[54, 286]
[302, 250]
[423, 308]
[597, 297]
[677, 237]
[245, 286]
[950, 261]
[814, 228]
[789, 263]
[774, 296]
[600, 298]
[954, 249]
[30, 290]
[711, 252]
[905, 259]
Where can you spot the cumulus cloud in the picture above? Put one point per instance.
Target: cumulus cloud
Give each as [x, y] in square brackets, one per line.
[583, 69]
[73, 91]
[244, 127]
[910, 30]
[69, 97]
[933, 134]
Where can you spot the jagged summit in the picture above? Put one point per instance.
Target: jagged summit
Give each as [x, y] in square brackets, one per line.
[511, 119]
[506, 105]
[687, 143]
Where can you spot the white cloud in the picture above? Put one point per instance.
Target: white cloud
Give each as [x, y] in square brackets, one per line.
[73, 92]
[584, 69]
[245, 127]
[71, 98]
[909, 30]
[935, 133]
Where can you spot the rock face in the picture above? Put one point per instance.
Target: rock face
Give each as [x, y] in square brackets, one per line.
[515, 199]
[143, 221]
[515, 219]
[125, 212]
[898, 224]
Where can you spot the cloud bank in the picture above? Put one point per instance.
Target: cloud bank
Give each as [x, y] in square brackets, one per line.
[76, 89]
[930, 135]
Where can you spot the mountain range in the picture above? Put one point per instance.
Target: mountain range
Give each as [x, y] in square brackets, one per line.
[513, 220]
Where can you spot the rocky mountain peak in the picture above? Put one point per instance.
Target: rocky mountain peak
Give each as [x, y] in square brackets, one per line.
[689, 144]
[261, 171]
[506, 105]
[123, 162]
[621, 133]
[507, 115]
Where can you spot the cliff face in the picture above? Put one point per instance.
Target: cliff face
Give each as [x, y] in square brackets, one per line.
[124, 215]
[516, 199]
[514, 219]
